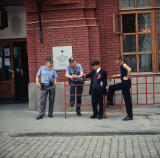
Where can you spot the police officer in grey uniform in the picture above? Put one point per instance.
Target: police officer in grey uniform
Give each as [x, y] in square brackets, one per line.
[47, 84]
[75, 73]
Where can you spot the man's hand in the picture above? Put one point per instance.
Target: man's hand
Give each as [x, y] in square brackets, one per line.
[114, 76]
[38, 85]
[84, 77]
[125, 78]
[74, 76]
[110, 78]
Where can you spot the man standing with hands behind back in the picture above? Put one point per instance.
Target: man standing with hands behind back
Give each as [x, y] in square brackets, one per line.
[47, 85]
[97, 88]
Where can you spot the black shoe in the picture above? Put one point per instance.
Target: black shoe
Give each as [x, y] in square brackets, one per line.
[72, 103]
[93, 117]
[100, 117]
[51, 116]
[79, 114]
[127, 118]
[39, 117]
[110, 103]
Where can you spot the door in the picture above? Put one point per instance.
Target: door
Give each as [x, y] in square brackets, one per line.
[158, 37]
[20, 60]
[14, 76]
[6, 71]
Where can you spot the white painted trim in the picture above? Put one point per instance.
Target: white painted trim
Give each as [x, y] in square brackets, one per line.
[34, 22]
[64, 27]
[142, 8]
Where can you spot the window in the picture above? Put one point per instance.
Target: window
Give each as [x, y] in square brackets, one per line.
[129, 43]
[127, 3]
[158, 2]
[158, 21]
[158, 38]
[5, 63]
[132, 60]
[138, 24]
[117, 23]
[124, 4]
[145, 63]
[144, 43]
[128, 23]
[136, 38]
[144, 22]
[143, 3]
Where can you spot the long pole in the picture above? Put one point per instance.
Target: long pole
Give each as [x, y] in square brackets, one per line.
[39, 16]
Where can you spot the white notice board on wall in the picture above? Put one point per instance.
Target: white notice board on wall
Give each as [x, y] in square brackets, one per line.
[61, 56]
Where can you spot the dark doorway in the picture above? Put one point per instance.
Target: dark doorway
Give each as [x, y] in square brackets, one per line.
[20, 62]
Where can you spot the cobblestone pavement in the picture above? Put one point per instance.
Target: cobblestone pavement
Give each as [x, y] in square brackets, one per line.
[147, 146]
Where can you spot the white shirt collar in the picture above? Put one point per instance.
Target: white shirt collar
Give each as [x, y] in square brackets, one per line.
[98, 70]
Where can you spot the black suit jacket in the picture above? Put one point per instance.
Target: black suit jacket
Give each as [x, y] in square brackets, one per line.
[102, 78]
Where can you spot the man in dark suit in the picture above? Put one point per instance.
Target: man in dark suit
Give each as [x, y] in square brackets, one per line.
[97, 88]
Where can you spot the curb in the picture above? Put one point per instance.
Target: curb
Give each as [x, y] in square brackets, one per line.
[139, 133]
[70, 134]
[65, 134]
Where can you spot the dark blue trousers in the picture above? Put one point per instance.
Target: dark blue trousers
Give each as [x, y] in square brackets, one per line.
[97, 97]
[79, 90]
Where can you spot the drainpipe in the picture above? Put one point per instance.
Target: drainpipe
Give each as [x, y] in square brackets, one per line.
[39, 16]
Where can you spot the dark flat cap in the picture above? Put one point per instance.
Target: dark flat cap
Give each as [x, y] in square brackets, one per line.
[96, 62]
[71, 59]
[49, 59]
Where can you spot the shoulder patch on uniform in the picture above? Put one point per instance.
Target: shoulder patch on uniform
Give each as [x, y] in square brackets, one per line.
[78, 65]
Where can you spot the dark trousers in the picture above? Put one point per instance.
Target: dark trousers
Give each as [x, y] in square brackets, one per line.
[44, 92]
[79, 90]
[97, 97]
[125, 86]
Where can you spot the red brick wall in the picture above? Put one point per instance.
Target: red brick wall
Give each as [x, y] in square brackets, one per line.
[110, 44]
[32, 57]
[90, 38]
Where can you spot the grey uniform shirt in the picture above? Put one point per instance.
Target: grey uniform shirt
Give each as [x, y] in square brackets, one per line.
[47, 74]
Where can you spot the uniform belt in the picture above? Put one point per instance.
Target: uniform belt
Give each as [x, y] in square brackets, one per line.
[45, 84]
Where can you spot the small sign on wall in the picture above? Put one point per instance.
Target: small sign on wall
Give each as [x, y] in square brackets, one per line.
[61, 56]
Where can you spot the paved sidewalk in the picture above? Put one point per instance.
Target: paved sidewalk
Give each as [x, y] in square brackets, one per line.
[16, 120]
[81, 147]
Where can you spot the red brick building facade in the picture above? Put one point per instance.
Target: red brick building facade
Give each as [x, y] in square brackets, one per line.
[86, 25]
[96, 29]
